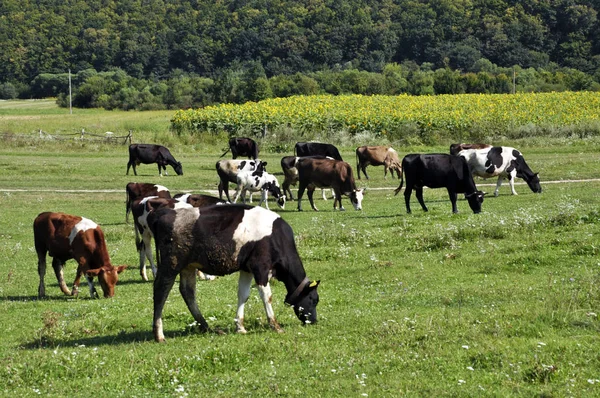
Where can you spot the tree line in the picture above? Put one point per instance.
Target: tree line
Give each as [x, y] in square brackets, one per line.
[238, 50]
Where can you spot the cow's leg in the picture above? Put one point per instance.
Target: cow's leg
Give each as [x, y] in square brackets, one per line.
[80, 268]
[141, 248]
[338, 199]
[162, 286]
[266, 296]
[263, 198]
[301, 189]
[511, 181]
[58, 270]
[147, 242]
[128, 166]
[453, 197]
[187, 288]
[159, 170]
[407, 193]
[41, 272]
[364, 169]
[244, 284]
[93, 292]
[311, 191]
[498, 185]
[419, 195]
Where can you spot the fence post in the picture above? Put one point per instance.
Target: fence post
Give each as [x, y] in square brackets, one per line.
[82, 133]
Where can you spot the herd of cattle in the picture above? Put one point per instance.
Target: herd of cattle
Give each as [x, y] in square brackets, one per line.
[201, 235]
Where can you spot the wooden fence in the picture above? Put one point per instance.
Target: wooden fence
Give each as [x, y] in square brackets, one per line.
[108, 137]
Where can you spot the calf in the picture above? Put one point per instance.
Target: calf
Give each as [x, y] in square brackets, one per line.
[150, 153]
[67, 237]
[242, 146]
[262, 181]
[138, 190]
[327, 173]
[288, 165]
[439, 171]
[377, 156]
[316, 149]
[198, 200]
[504, 162]
[222, 240]
[456, 148]
[143, 235]
[228, 170]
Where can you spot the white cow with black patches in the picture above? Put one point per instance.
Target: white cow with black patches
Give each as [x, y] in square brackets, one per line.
[221, 240]
[258, 180]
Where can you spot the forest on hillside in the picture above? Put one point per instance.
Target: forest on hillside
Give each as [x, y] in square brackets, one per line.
[158, 40]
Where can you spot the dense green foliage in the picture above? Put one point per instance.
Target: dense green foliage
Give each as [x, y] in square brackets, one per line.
[235, 45]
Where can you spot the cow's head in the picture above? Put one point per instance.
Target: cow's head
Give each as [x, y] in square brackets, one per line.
[108, 277]
[356, 198]
[305, 303]
[475, 200]
[275, 191]
[178, 168]
[534, 183]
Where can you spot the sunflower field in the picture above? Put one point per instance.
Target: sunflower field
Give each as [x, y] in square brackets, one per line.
[404, 117]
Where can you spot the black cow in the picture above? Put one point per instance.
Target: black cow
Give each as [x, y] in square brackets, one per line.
[150, 153]
[439, 171]
[242, 146]
[221, 240]
[317, 149]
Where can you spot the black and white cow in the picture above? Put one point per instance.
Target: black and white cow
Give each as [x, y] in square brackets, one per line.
[221, 240]
[303, 149]
[503, 162]
[229, 169]
[151, 153]
[439, 171]
[242, 146]
[259, 180]
[143, 235]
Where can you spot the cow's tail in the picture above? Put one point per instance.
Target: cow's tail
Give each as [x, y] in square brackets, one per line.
[397, 190]
[127, 206]
[224, 153]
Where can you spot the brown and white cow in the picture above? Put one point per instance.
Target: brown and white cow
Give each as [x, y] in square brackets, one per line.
[143, 235]
[65, 237]
[229, 169]
[327, 173]
[378, 156]
[138, 190]
[222, 240]
[197, 199]
[288, 165]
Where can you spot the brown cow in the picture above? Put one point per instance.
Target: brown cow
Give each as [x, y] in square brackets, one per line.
[377, 156]
[65, 237]
[456, 148]
[197, 199]
[138, 190]
[327, 173]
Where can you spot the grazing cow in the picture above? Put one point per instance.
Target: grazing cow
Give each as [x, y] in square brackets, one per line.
[439, 171]
[143, 235]
[504, 162]
[222, 240]
[288, 165]
[259, 180]
[65, 237]
[229, 169]
[138, 190]
[198, 200]
[456, 148]
[316, 149]
[377, 156]
[242, 146]
[149, 153]
[327, 173]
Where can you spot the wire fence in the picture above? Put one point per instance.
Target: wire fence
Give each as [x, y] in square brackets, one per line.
[107, 137]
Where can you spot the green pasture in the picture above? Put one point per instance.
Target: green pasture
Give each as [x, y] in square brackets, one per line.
[503, 303]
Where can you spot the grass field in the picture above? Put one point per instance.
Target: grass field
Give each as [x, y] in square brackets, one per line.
[503, 303]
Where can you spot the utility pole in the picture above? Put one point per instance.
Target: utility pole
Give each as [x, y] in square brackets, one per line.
[70, 95]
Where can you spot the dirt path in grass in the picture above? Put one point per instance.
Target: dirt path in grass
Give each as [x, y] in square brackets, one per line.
[215, 192]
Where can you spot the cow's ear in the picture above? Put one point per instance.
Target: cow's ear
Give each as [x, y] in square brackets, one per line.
[264, 164]
[121, 268]
[93, 272]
